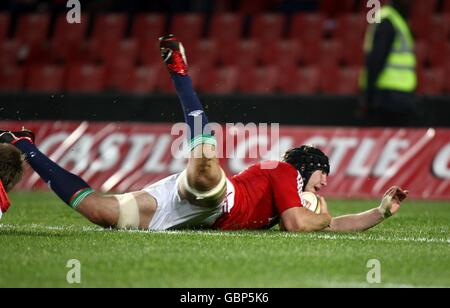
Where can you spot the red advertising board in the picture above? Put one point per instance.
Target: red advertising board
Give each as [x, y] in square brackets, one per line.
[365, 162]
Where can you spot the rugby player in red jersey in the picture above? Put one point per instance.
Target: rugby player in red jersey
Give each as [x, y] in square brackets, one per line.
[203, 196]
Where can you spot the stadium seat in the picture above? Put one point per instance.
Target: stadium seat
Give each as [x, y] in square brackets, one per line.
[438, 30]
[353, 53]
[432, 81]
[245, 53]
[438, 53]
[45, 78]
[307, 27]
[330, 53]
[223, 80]
[204, 53]
[32, 28]
[421, 50]
[333, 7]
[85, 78]
[149, 53]
[446, 6]
[311, 53]
[66, 44]
[226, 28]
[143, 80]
[350, 28]
[188, 27]
[347, 83]
[282, 53]
[109, 27]
[256, 7]
[10, 53]
[421, 26]
[267, 28]
[296, 80]
[4, 26]
[258, 80]
[422, 8]
[329, 79]
[222, 6]
[148, 27]
[11, 78]
[31, 33]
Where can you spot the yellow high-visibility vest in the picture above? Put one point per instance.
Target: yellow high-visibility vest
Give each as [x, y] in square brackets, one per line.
[399, 73]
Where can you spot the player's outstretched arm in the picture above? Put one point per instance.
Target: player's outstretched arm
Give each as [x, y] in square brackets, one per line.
[390, 204]
[300, 219]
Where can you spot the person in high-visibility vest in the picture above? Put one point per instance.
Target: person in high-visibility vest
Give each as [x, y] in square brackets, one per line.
[389, 80]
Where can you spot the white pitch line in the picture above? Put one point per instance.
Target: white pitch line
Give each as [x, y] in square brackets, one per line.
[320, 236]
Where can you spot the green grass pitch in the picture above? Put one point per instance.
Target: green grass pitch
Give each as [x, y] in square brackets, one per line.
[39, 235]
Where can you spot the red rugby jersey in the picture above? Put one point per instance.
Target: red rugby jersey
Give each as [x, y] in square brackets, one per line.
[262, 195]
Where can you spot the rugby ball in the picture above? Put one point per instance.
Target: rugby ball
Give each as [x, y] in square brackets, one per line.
[311, 202]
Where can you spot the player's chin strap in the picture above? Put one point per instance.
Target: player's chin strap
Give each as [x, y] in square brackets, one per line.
[385, 207]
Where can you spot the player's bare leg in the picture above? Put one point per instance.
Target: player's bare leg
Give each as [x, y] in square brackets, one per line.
[128, 211]
[204, 182]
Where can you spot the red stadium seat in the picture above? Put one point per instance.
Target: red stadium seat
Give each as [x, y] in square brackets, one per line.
[10, 53]
[421, 26]
[347, 83]
[333, 7]
[329, 79]
[149, 53]
[438, 30]
[350, 28]
[119, 59]
[307, 27]
[258, 80]
[4, 26]
[311, 53]
[282, 53]
[295, 80]
[446, 6]
[109, 27]
[222, 80]
[226, 28]
[421, 50]
[32, 31]
[422, 8]
[256, 6]
[188, 28]
[33, 28]
[432, 81]
[267, 28]
[244, 53]
[438, 53]
[330, 53]
[66, 44]
[353, 53]
[148, 27]
[85, 78]
[143, 80]
[11, 78]
[46, 78]
[446, 79]
[203, 54]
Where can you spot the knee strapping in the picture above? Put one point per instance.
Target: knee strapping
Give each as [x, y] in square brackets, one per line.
[214, 193]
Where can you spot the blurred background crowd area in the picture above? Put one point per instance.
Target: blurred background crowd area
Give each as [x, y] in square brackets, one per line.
[234, 46]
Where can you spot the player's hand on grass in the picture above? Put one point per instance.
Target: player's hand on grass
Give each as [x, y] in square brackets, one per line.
[392, 199]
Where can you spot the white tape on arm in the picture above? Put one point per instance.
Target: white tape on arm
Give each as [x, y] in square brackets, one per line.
[129, 217]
